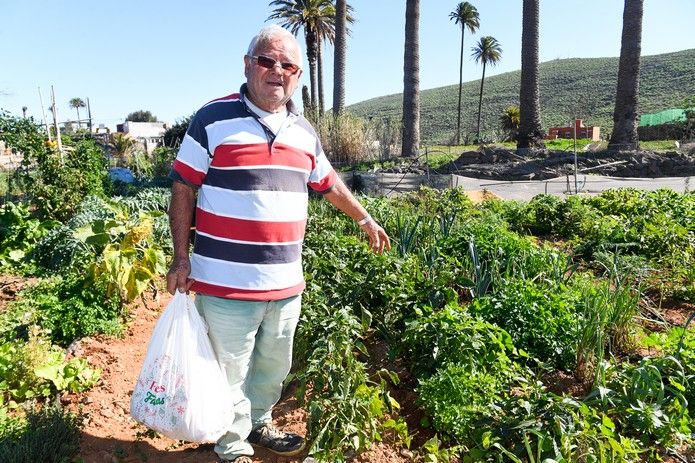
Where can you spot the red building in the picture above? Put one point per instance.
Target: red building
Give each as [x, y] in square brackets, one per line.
[591, 132]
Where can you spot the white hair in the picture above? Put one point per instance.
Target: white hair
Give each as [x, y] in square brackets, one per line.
[267, 34]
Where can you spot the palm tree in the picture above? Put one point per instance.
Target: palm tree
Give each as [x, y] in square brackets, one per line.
[624, 134]
[509, 120]
[530, 132]
[411, 80]
[77, 103]
[339, 52]
[317, 18]
[486, 51]
[123, 146]
[466, 15]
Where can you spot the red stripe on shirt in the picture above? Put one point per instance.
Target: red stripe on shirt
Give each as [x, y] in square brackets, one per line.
[188, 173]
[249, 230]
[233, 96]
[325, 183]
[257, 154]
[246, 294]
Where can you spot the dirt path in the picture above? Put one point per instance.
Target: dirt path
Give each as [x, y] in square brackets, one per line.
[110, 435]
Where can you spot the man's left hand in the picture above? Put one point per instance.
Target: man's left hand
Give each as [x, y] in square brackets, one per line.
[378, 239]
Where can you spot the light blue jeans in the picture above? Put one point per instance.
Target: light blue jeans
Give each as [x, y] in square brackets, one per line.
[253, 343]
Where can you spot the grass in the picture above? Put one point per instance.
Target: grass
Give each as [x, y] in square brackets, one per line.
[658, 145]
[569, 88]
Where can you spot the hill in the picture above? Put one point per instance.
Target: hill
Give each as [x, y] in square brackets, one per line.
[584, 87]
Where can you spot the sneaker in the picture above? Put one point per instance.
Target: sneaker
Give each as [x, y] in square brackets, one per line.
[241, 459]
[280, 442]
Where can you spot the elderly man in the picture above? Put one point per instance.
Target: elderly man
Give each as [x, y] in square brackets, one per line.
[248, 157]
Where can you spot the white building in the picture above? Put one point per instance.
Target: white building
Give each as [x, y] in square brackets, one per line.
[150, 134]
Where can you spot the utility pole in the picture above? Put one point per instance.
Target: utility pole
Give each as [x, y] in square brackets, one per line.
[55, 123]
[45, 121]
[574, 124]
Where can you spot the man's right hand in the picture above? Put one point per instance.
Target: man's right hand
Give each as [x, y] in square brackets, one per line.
[177, 277]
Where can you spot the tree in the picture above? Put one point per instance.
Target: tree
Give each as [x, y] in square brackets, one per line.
[141, 116]
[625, 121]
[530, 132]
[339, 53]
[486, 51]
[410, 144]
[509, 120]
[173, 136]
[24, 111]
[77, 103]
[467, 16]
[317, 18]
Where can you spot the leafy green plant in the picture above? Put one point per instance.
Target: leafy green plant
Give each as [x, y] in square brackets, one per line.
[648, 401]
[451, 335]
[541, 320]
[457, 397]
[36, 369]
[66, 307]
[128, 261]
[19, 233]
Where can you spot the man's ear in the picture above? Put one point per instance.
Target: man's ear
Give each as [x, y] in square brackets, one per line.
[247, 65]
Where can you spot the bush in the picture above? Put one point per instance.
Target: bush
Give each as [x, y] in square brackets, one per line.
[453, 336]
[542, 321]
[344, 138]
[457, 397]
[70, 307]
[58, 183]
[50, 435]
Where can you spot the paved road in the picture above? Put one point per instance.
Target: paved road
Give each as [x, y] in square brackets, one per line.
[562, 186]
[393, 184]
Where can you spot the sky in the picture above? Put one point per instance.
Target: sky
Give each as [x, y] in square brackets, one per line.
[171, 57]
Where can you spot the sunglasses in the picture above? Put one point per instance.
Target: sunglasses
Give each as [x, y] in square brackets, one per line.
[270, 63]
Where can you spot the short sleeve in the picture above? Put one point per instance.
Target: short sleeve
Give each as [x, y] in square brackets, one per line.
[193, 159]
[322, 177]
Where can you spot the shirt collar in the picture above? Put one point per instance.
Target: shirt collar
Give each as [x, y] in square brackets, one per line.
[291, 107]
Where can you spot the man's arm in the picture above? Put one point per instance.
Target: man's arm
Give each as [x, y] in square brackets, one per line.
[341, 197]
[181, 211]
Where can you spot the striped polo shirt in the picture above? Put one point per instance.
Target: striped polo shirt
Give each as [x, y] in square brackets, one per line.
[252, 198]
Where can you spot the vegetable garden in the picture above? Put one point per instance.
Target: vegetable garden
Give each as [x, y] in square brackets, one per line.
[503, 331]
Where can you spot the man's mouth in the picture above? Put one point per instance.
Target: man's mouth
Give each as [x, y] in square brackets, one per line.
[275, 84]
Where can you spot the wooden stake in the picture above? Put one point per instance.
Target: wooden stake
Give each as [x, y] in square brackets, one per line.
[45, 121]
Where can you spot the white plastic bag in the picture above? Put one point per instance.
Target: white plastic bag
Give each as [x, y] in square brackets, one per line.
[182, 392]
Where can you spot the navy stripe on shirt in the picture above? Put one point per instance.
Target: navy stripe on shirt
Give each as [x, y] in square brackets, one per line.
[253, 179]
[247, 253]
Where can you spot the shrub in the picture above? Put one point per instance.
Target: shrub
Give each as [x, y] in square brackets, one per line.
[343, 138]
[451, 335]
[70, 307]
[456, 397]
[50, 435]
[542, 321]
[58, 183]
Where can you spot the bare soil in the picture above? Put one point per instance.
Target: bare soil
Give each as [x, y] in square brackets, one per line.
[110, 435]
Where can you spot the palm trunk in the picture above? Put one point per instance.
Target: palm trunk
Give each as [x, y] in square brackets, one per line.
[530, 132]
[480, 104]
[311, 54]
[339, 56]
[411, 81]
[319, 66]
[458, 112]
[624, 136]
[79, 126]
